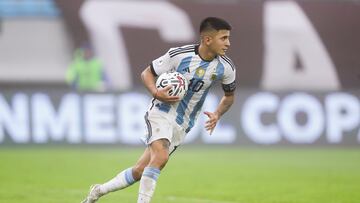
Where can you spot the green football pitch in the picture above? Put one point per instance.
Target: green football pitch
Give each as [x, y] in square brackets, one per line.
[193, 175]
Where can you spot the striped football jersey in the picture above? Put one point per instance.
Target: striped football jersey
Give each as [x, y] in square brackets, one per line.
[201, 75]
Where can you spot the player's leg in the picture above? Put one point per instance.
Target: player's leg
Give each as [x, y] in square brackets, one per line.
[128, 176]
[159, 151]
[122, 180]
[138, 168]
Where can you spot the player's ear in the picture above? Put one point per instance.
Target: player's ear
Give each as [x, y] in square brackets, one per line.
[207, 39]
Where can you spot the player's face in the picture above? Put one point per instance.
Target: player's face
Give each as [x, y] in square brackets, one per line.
[220, 42]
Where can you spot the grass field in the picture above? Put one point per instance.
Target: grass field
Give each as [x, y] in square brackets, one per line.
[205, 175]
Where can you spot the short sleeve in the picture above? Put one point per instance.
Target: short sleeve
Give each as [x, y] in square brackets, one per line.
[228, 81]
[162, 64]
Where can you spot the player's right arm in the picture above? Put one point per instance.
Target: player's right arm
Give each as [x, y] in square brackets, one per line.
[158, 66]
[149, 79]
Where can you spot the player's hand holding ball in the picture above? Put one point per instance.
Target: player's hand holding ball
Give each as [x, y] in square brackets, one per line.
[162, 94]
[171, 87]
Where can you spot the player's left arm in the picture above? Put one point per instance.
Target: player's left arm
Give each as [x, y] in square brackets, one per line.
[226, 101]
[229, 86]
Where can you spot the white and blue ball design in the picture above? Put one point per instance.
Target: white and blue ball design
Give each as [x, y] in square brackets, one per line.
[177, 80]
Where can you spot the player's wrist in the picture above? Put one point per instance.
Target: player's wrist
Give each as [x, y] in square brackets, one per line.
[155, 93]
[217, 114]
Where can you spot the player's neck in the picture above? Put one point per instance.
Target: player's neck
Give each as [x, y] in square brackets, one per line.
[205, 53]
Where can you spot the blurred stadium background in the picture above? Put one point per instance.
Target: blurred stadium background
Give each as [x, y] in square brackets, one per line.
[72, 102]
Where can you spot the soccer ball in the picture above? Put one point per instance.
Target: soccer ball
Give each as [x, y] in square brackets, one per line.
[177, 80]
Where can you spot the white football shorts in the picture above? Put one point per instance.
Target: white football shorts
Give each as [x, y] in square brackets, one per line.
[160, 125]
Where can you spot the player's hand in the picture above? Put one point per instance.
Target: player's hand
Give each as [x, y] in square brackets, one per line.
[211, 123]
[162, 95]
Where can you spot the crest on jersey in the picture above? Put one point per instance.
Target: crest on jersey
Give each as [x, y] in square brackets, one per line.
[200, 72]
[213, 76]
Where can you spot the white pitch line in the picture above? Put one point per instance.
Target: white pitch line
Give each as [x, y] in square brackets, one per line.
[196, 200]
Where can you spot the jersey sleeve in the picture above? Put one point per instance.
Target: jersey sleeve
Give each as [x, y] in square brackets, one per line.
[162, 64]
[228, 81]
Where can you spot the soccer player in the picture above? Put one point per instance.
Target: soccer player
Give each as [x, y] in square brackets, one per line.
[168, 118]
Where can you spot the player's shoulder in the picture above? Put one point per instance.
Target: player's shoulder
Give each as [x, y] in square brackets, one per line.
[186, 49]
[227, 62]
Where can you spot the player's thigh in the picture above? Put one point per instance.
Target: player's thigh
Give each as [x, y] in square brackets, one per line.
[159, 150]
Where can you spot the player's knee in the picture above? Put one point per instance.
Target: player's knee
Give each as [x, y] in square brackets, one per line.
[163, 158]
[160, 160]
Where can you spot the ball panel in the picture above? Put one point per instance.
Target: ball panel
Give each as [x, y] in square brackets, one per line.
[177, 80]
